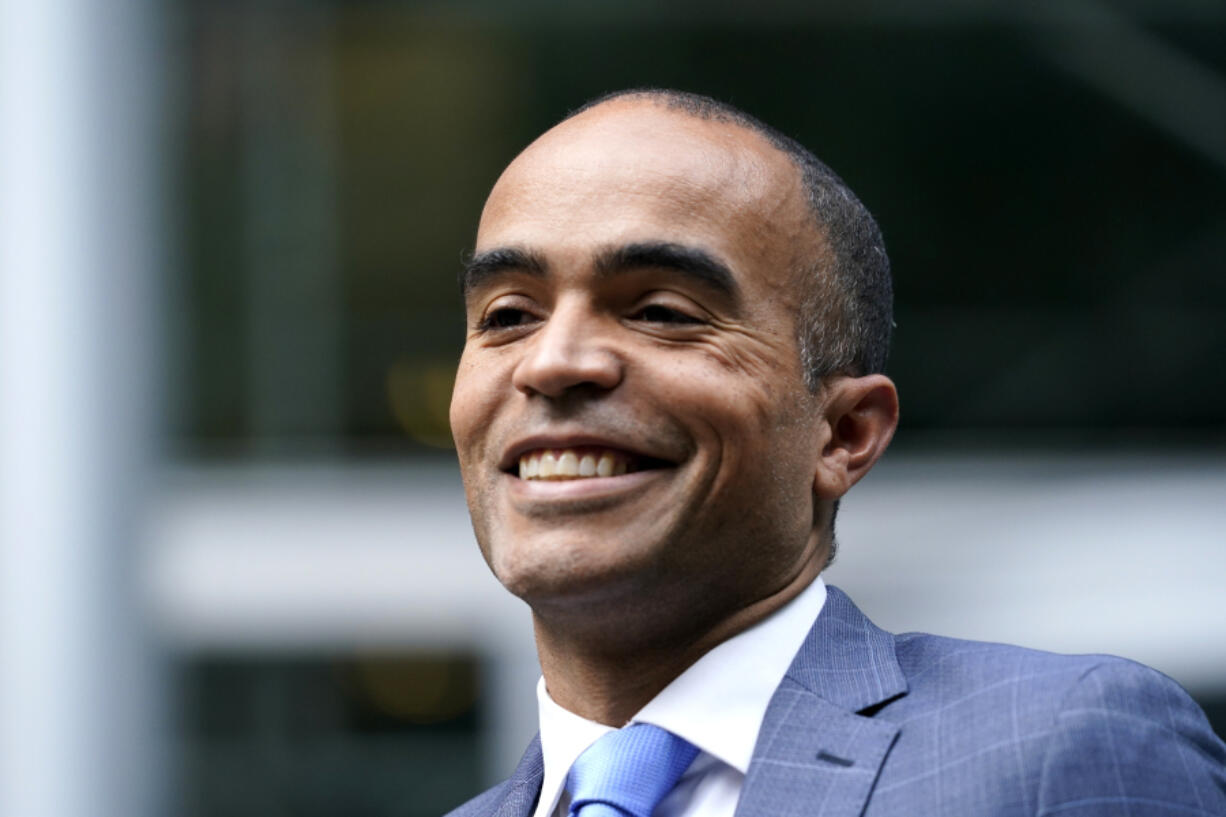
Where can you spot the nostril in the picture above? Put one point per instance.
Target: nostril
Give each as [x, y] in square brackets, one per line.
[594, 370]
[572, 347]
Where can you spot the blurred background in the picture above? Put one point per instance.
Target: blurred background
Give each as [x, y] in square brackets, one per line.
[237, 573]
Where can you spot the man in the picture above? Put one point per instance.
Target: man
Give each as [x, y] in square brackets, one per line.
[677, 324]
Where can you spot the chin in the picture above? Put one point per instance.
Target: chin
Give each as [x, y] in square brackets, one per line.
[567, 572]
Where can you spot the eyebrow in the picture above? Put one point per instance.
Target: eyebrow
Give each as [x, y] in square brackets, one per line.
[484, 265]
[692, 262]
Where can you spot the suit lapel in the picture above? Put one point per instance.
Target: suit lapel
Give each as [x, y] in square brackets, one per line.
[819, 752]
[524, 785]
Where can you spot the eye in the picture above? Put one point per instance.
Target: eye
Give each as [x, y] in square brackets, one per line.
[505, 318]
[656, 313]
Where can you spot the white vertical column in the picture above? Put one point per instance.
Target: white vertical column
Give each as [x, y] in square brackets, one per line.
[79, 162]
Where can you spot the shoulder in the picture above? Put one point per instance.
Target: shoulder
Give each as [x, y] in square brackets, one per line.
[1141, 736]
[979, 678]
[1095, 734]
[951, 664]
[1063, 691]
[1067, 681]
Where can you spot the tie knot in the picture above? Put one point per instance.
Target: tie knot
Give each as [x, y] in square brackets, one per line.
[630, 769]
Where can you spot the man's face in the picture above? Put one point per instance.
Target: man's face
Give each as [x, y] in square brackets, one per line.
[631, 314]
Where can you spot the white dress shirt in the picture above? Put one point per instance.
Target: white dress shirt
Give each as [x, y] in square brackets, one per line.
[717, 705]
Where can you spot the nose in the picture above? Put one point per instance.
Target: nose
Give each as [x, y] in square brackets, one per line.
[571, 349]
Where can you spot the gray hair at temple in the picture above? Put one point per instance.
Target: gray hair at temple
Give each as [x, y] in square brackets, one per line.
[846, 316]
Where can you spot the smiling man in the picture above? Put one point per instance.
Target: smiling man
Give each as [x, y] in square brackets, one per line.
[677, 324]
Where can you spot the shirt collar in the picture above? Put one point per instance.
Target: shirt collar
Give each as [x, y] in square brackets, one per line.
[715, 704]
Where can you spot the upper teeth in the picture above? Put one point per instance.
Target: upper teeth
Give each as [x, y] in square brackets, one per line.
[570, 463]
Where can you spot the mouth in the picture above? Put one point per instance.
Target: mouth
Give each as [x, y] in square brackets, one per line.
[578, 463]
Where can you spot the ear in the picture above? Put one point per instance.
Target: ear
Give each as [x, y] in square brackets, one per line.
[860, 415]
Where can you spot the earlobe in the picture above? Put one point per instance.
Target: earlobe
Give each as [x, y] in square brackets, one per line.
[860, 415]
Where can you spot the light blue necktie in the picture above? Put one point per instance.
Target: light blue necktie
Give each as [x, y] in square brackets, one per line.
[627, 772]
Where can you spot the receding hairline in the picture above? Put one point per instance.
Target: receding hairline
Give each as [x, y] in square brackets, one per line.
[771, 156]
[700, 108]
[685, 105]
[660, 100]
[672, 102]
[679, 102]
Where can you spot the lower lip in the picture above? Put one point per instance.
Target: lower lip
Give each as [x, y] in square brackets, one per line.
[560, 490]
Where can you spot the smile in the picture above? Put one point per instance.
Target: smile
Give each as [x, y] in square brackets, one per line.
[580, 478]
[574, 463]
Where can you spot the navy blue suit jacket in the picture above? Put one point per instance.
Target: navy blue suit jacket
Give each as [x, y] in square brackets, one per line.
[869, 723]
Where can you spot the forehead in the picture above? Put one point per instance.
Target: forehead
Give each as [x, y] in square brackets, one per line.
[637, 171]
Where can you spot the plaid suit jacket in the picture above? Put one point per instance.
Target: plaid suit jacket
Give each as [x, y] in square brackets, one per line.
[869, 723]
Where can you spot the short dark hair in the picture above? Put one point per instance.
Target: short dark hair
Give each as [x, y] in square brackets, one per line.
[846, 317]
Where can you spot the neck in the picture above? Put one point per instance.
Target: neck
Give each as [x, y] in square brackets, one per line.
[607, 669]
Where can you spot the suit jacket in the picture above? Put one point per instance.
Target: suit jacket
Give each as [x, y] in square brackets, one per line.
[869, 723]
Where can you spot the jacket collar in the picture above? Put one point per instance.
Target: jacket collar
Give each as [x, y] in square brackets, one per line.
[819, 749]
[524, 784]
[847, 660]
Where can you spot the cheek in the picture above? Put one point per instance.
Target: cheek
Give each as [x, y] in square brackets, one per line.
[471, 404]
[764, 365]
[456, 416]
[746, 412]
[768, 443]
